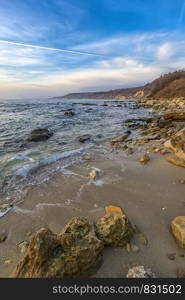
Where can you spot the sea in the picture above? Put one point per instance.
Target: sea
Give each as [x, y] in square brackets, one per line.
[25, 164]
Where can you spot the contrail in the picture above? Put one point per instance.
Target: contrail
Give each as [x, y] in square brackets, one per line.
[181, 13]
[49, 48]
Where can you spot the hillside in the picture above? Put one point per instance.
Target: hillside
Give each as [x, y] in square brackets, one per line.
[166, 86]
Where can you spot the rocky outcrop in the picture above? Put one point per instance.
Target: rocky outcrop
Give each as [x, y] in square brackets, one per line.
[177, 144]
[144, 159]
[40, 134]
[75, 252]
[174, 115]
[178, 230]
[114, 229]
[121, 138]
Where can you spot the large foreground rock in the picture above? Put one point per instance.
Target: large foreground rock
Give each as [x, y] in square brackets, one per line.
[39, 134]
[114, 229]
[76, 252]
[178, 230]
[177, 144]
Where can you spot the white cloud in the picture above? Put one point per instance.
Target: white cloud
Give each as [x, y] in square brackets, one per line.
[165, 51]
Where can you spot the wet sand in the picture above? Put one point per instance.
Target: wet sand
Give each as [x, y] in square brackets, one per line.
[150, 195]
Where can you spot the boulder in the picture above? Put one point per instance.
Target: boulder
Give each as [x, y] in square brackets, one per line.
[178, 230]
[140, 272]
[120, 139]
[40, 134]
[75, 252]
[177, 144]
[114, 229]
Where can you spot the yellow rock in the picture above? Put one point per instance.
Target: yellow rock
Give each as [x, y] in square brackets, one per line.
[178, 230]
[93, 174]
[114, 209]
[8, 262]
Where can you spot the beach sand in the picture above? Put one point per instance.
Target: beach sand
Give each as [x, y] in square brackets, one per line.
[150, 195]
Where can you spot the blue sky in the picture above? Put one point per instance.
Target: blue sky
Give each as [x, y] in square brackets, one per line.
[131, 42]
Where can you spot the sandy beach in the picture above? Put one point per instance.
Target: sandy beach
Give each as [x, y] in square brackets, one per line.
[150, 195]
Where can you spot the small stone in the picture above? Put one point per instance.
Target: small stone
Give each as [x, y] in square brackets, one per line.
[130, 151]
[7, 262]
[3, 237]
[94, 174]
[140, 272]
[180, 273]
[87, 157]
[171, 256]
[134, 248]
[144, 159]
[182, 181]
[113, 209]
[143, 239]
[178, 230]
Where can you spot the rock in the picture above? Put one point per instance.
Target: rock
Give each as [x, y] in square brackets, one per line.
[175, 116]
[114, 229]
[5, 208]
[171, 256]
[23, 246]
[143, 239]
[176, 161]
[87, 157]
[7, 262]
[84, 138]
[177, 144]
[75, 252]
[120, 138]
[144, 159]
[94, 174]
[40, 134]
[130, 151]
[182, 181]
[178, 230]
[180, 272]
[69, 113]
[3, 237]
[114, 209]
[140, 272]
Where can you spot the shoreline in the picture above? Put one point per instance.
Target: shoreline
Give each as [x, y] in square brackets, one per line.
[150, 194]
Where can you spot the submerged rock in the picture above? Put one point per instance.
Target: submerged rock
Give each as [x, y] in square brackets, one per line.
[75, 252]
[69, 113]
[114, 229]
[40, 134]
[84, 138]
[140, 272]
[178, 230]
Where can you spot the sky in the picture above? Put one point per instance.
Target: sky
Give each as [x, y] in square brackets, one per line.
[53, 47]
